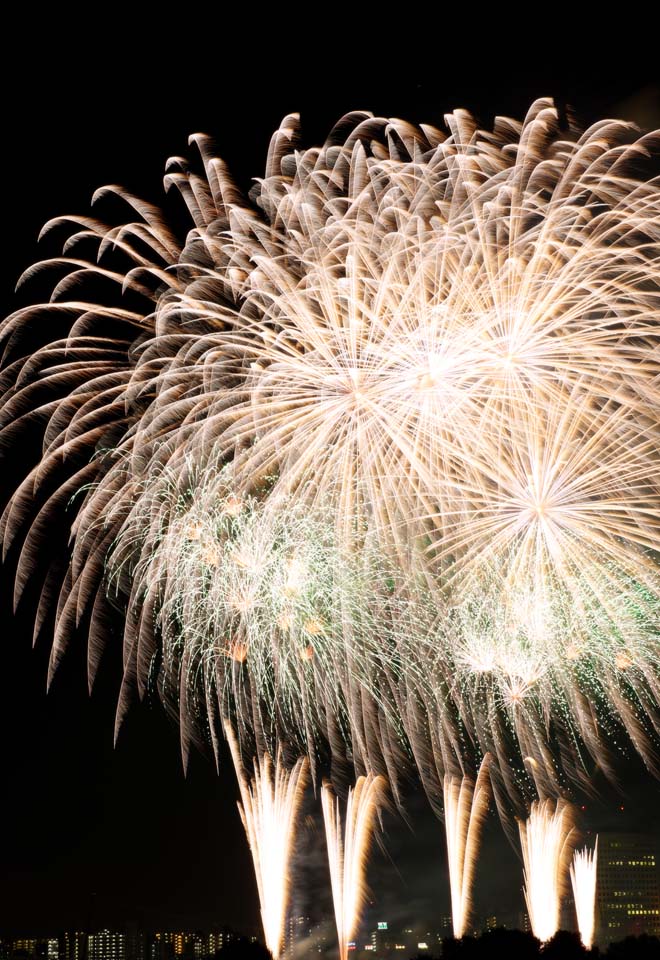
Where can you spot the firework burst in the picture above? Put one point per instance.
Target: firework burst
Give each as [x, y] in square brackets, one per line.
[371, 461]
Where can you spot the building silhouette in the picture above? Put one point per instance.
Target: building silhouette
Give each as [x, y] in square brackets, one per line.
[106, 945]
[73, 945]
[628, 886]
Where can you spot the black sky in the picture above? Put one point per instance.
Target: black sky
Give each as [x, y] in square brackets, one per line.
[93, 834]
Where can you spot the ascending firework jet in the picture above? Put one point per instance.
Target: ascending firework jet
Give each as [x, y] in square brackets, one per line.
[465, 810]
[547, 839]
[270, 801]
[368, 462]
[348, 847]
[584, 871]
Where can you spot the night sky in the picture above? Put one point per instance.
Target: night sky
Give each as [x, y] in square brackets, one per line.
[97, 835]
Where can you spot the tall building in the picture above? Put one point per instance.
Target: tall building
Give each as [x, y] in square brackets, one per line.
[107, 945]
[445, 926]
[628, 886]
[298, 934]
[47, 949]
[380, 939]
[25, 946]
[73, 946]
[168, 945]
[134, 942]
[523, 922]
[214, 941]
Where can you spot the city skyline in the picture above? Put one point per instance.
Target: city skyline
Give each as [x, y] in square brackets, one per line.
[627, 904]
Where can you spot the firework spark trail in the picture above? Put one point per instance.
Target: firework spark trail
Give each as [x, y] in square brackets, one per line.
[270, 587]
[583, 881]
[348, 849]
[270, 804]
[465, 809]
[436, 354]
[546, 838]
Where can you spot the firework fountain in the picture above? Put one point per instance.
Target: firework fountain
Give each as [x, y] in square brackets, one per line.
[269, 808]
[546, 838]
[584, 869]
[465, 808]
[348, 848]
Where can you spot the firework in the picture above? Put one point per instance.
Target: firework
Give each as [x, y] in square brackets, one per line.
[269, 600]
[348, 848]
[546, 838]
[270, 803]
[466, 806]
[583, 881]
[370, 463]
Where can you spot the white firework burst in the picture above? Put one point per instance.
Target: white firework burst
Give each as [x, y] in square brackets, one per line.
[430, 361]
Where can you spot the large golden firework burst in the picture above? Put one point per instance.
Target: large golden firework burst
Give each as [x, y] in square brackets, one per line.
[372, 459]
